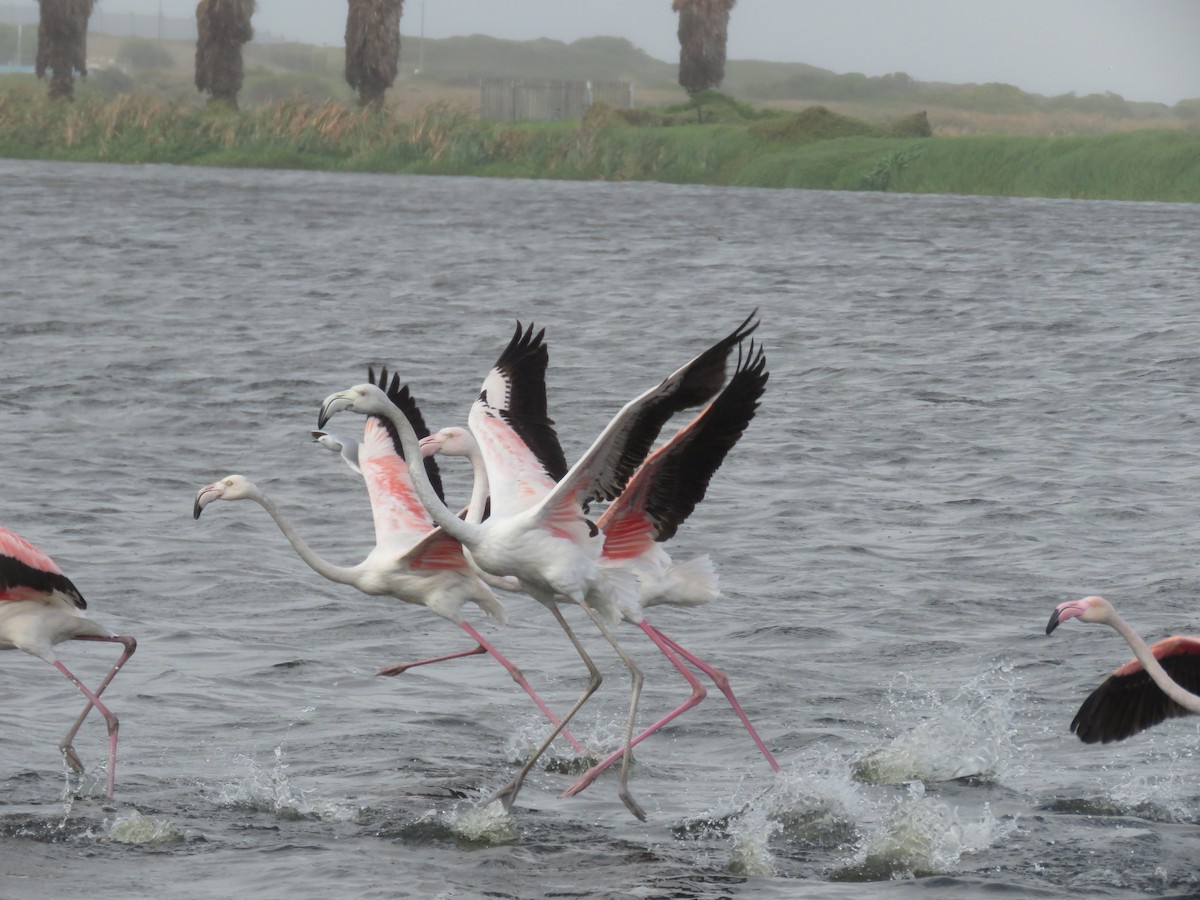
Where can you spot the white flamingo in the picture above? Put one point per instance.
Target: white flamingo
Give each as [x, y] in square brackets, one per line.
[548, 544]
[1162, 682]
[40, 607]
[412, 560]
[659, 497]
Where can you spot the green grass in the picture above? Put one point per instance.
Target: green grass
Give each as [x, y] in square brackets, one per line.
[301, 133]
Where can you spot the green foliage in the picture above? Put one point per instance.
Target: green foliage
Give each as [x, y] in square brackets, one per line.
[1188, 109]
[8, 43]
[444, 139]
[142, 53]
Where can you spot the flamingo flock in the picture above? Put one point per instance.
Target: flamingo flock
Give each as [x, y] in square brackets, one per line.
[528, 530]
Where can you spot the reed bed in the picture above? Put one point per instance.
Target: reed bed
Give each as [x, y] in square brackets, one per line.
[444, 138]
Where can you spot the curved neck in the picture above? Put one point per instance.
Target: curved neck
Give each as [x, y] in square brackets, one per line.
[340, 574]
[464, 532]
[481, 488]
[1154, 669]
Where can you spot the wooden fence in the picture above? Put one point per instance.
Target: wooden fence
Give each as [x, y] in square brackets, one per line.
[531, 98]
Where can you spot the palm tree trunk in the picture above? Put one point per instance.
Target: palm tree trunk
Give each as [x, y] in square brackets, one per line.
[372, 48]
[222, 27]
[62, 43]
[703, 33]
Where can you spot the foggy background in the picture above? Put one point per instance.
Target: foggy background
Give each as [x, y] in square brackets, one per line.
[1140, 49]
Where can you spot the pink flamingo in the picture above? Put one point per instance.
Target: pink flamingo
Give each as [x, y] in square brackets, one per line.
[659, 497]
[1160, 683]
[40, 607]
[412, 560]
[547, 543]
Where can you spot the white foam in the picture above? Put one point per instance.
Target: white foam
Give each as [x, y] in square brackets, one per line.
[134, 828]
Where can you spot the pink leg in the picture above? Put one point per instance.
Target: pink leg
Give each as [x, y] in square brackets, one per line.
[65, 745]
[698, 694]
[400, 668]
[517, 676]
[722, 682]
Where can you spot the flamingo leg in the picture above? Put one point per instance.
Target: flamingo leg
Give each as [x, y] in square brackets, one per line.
[722, 682]
[94, 700]
[634, 694]
[698, 694]
[507, 794]
[400, 668]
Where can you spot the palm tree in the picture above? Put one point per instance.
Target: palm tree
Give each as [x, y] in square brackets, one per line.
[703, 32]
[222, 27]
[372, 48]
[62, 43]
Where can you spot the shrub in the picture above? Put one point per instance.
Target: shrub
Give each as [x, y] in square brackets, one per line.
[141, 53]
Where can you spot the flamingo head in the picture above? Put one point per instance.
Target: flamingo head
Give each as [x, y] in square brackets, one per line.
[231, 487]
[1089, 609]
[453, 441]
[328, 441]
[365, 399]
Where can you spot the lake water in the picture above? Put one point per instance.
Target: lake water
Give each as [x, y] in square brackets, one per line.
[978, 408]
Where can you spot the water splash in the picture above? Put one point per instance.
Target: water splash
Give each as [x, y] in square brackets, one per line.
[273, 790]
[135, 828]
[921, 836]
[491, 824]
[971, 735]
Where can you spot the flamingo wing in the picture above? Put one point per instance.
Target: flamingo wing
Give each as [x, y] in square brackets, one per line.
[26, 573]
[401, 520]
[604, 470]
[515, 434]
[1129, 701]
[674, 478]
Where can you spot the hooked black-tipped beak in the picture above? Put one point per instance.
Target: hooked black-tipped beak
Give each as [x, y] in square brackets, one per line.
[198, 506]
[316, 436]
[333, 403]
[1054, 617]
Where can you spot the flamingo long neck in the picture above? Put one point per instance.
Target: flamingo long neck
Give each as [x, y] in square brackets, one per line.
[481, 488]
[325, 569]
[468, 533]
[1154, 669]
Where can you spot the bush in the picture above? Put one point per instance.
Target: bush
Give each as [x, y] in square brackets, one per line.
[140, 53]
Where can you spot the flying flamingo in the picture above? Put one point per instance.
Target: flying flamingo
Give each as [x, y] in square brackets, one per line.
[1161, 683]
[659, 497]
[549, 545]
[346, 448]
[412, 560]
[40, 607]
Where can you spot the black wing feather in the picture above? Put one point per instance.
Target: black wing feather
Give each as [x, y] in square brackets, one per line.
[523, 363]
[402, 397]
[14, 573]
[1126, 704]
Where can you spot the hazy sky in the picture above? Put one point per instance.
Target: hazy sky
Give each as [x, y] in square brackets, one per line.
[1141, 49]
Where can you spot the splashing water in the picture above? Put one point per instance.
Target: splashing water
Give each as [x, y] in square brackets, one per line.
[489, 825]
[134, 828]
[972, 735]
[273, 790]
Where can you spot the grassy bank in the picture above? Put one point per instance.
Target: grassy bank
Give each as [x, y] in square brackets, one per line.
[444, 139]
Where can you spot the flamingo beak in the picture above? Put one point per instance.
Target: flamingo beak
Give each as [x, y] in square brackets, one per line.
[1062, 612]
[334, 403]
[316, 436]
[430, 446]
[206, 496]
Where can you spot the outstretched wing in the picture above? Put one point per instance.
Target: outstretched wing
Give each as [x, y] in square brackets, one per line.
[401, 520]
[674, 478]
[510, 423]
[604, 470]
[1129, 701]
[26, 573]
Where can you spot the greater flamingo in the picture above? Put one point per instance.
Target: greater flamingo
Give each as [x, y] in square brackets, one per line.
[1161, 683]
[40, 607]
[548, 544]
[658, 499]
[346, 448]
[412, 560]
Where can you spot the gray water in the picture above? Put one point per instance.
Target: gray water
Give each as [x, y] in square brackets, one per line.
[978, 408]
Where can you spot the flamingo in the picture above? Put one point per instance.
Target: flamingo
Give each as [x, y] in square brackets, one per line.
[1163, 681]
[39, 608]
[548, 544]
[346, 448]
[412, 561]
[659, 497]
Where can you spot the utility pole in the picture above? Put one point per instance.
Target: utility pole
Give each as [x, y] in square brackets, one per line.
[421, 42]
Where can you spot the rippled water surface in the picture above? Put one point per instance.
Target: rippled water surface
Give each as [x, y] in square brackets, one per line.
[978, 408]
